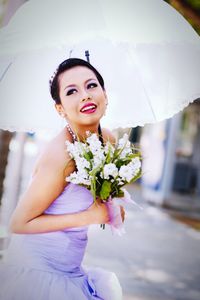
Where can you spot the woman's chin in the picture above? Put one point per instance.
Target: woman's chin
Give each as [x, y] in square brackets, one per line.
[86, 120]
[91, 119]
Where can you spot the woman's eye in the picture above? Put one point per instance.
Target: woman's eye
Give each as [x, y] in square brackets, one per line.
[70, 92]
[92, 85]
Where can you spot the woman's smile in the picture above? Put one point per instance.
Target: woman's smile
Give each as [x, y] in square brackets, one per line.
[88, 108]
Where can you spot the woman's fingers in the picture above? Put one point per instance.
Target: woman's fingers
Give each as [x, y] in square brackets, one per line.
[122, 213]
[98, 213]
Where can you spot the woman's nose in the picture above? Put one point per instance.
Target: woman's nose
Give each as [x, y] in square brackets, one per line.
[85, 96]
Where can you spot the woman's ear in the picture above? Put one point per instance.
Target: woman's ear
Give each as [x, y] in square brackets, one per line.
[60, 110]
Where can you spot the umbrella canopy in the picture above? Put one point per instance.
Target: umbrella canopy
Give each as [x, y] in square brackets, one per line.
[146, 51]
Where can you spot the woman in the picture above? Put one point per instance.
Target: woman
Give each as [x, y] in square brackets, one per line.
[50, 222]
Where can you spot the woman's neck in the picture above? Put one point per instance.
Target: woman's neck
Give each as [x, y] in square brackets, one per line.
[80, 131]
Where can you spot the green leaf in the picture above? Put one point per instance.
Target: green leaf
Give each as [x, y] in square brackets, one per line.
[86, 156]
[116, 153]
[90, 154]
[120, 193]
[95, 171]
[105, 190]
[108, 158]
[93, 187]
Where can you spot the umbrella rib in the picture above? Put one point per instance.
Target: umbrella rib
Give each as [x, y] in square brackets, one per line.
[144, 89]
[149, 102]
[4, 73]
[147, 96]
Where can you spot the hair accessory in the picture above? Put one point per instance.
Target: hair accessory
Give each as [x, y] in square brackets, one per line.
[87, 55]
[52, 77]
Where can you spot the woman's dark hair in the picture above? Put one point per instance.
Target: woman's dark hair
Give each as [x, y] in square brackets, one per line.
[66, 65]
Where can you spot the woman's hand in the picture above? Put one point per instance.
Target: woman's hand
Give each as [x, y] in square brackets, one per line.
[98, 213]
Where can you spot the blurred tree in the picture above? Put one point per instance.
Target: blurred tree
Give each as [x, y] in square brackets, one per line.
[190, 9]
[5, 138]
[3, 4]
[7, 9]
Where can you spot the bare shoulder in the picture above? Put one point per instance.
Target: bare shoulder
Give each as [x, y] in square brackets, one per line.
[55, 154]
[108, 135]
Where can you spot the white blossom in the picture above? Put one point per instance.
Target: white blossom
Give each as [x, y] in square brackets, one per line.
[135, 165]
[126, 151]
[82, 163]
[128, 172]
[80, 177]
[110, 170]
[94, 143]
[124, 144]
[98, 159]
[109, 147]
[75, 150]
[125, 172]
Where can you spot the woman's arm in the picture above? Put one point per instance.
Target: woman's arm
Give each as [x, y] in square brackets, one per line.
[96, 214]
[44, 188]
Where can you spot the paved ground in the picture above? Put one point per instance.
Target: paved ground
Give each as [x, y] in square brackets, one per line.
[157, 258]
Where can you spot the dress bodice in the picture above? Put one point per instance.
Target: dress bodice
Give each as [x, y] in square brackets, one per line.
[74, 198]
[59, 250]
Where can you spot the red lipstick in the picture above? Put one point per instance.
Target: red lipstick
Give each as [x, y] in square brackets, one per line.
[88, 108]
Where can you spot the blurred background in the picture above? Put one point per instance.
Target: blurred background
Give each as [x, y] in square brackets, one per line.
[158, 257]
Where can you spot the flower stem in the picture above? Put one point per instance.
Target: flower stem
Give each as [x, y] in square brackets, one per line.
[103, 226]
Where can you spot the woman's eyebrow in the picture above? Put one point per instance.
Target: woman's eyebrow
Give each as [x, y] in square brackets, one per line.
[73, 85]
[70, 85]
[90, 79]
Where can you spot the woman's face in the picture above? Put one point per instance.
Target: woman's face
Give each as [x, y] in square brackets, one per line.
[83, 100]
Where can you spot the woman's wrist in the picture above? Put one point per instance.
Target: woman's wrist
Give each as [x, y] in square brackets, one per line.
[84, 218]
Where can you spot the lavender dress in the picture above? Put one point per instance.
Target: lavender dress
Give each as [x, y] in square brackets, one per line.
[47, 266]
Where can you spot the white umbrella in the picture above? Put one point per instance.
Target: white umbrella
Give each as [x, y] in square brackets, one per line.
[146, 51]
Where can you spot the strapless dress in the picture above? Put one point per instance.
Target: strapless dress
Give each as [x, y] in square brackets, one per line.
[48, 266]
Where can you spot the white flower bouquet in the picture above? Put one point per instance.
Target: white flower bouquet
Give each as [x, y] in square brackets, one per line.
[104, 170]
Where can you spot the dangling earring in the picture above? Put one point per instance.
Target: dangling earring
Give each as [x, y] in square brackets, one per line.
[62, 115]
[105, 109]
